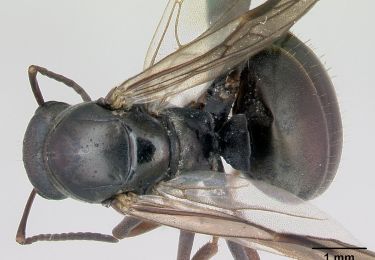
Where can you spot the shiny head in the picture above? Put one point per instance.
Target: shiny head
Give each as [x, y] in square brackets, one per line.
[33, 149]
[90, 153]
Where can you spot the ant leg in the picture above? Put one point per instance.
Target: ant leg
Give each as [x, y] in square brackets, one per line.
[207, 251]
[185, 244]
[21, 232]
[242, 253]
[33, 71]
[252, 254]
[131, 227]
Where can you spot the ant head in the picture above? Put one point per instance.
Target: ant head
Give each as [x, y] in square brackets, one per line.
[37, 131]
[33, 146]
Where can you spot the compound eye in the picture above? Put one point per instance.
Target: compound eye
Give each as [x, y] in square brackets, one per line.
[33, 144]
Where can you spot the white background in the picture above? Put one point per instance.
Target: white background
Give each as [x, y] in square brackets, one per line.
[101, 43]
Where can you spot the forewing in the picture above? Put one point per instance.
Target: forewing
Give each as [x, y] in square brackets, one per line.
[249, 212]
[181, 23]
[217, 50]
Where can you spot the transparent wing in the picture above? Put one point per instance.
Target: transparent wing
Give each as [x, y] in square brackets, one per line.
[181, 23]
[217, 50]
[249, 212]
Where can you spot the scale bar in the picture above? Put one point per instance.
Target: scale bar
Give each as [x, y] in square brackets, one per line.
[341, 248]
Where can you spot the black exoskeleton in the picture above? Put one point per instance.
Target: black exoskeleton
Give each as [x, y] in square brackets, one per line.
[91, 153]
